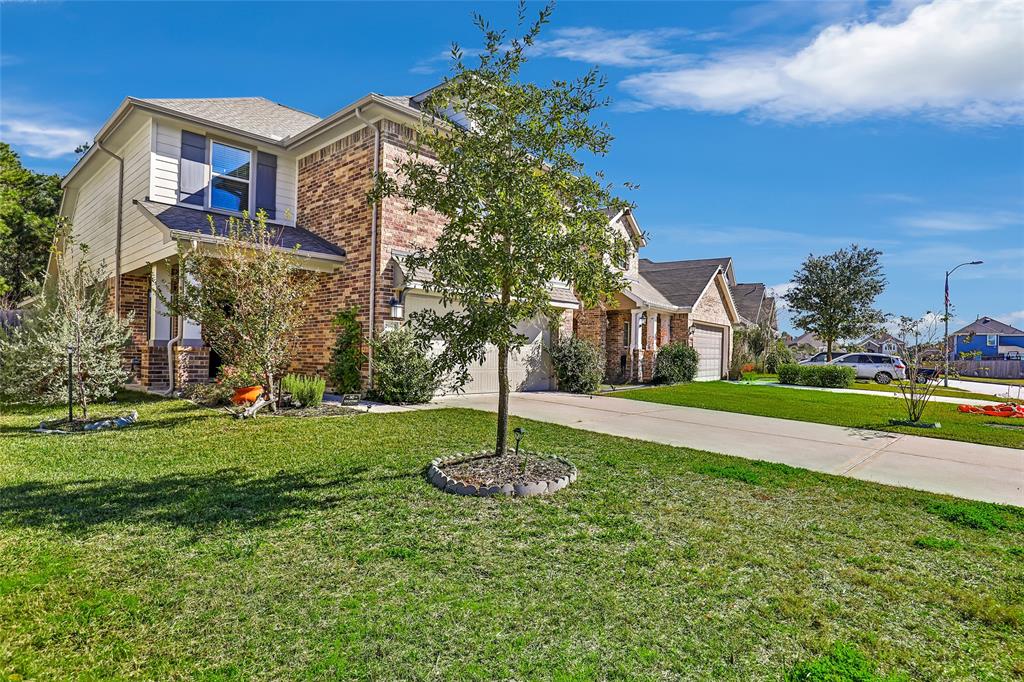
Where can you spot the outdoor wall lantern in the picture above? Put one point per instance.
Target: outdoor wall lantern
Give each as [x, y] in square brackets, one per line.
[397, 309]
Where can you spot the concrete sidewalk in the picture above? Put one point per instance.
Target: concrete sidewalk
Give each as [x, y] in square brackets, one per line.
[979, 472]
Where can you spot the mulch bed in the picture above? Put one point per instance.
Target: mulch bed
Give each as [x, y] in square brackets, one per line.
[488, 470]
[321, 410]
[93, 425]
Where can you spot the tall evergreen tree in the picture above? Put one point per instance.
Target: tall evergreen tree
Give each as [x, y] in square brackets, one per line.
[29, 203]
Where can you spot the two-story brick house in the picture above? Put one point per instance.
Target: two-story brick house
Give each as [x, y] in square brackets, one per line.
[160, 168]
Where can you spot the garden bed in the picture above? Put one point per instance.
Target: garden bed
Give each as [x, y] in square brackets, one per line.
[329, 409]
[485, 474]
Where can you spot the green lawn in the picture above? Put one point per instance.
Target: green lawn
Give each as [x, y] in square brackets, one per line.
[841, 409]
[197, 547]
[950, 392]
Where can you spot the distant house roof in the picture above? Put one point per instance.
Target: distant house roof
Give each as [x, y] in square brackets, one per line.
[255, 115]
[808, 339]
[680, 282]
[986, 325]
[185, 223]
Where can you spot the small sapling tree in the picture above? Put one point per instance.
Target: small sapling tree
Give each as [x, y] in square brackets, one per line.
[500, 160]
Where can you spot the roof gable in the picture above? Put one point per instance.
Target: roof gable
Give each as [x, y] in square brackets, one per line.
[253, 115]
[986, 325]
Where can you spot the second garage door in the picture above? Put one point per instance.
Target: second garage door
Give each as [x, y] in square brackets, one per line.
[709, 344]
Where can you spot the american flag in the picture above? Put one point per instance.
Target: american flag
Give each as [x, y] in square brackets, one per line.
[947, 292]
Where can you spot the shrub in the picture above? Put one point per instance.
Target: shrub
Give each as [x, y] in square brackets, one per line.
[306, 391]
[676, 362]
[827, 376]
[402, 371]
[347, 355]
[578, 365]
[232, 377]
[778, 355]
[789, 373]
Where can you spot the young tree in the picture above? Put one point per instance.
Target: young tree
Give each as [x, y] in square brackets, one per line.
[248, 296]
[347, 355]
[73, 317]
[920, 343]
[28, 223]
[832, 296]
[499, 160]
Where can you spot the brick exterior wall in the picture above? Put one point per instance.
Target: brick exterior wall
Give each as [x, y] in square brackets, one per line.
[135, 301]
[616, 350]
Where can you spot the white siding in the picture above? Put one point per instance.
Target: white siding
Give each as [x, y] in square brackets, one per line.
[140, 239]
[166, 157]
[163, 185]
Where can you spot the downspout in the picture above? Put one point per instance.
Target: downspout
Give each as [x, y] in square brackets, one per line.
[373, 249]
[117, 242]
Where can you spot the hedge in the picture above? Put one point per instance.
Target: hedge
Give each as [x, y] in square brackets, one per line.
[826, 376]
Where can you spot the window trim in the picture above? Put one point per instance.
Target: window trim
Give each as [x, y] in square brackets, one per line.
[213, 175]
[991, 340]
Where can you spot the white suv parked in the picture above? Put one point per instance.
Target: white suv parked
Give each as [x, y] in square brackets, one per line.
[881, 368]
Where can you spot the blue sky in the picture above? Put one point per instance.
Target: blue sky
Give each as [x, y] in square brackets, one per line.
[761, 131]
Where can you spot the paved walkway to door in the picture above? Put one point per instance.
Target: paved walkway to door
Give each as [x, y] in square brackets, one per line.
[979, 472]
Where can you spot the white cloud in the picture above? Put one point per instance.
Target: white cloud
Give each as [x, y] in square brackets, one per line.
[616, 48]
[40, 139]
[957, 221]
[1015, 318]
[779, 291]
[956, 60]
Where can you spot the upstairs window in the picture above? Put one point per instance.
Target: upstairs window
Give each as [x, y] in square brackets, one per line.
[229, 177]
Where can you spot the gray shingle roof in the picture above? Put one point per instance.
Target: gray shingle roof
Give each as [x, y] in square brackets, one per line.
[255, 115]
[749, 299]
[193, 221]
[681, 282]
[986, 325]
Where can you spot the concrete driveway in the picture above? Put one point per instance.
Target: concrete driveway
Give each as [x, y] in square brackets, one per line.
[979, 472]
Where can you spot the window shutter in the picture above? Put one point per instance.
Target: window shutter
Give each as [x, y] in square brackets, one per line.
[192, 170]
[266, 183]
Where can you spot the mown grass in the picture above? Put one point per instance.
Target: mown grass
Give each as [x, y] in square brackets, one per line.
[197, 547]
[862, 385]
[840, 409]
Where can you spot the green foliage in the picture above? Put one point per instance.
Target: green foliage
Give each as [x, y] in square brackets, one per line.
[34, 365]
[235, 377]
[402, 372]
[789, 373]
[676, 363]
[979, 515]
[832, 296]
[929, 542]
[347, 355]
[249, 296]
[29, 203]
[305, 390]
[828, 376]
[500, 160]
[579, 365]
[843, 663]
[777, 355]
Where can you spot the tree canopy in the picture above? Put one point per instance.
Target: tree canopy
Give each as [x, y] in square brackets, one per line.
[499, 160]
[29, 202]
[833, 295]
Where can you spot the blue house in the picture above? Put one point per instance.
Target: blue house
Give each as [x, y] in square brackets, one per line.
[993, 338]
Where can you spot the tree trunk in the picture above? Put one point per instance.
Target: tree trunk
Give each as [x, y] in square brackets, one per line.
[270, 392]
[501, 446]
[828, 349]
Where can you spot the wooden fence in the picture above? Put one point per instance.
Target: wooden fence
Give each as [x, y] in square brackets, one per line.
[995, 369]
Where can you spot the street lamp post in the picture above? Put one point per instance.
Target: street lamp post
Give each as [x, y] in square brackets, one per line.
[945, 320]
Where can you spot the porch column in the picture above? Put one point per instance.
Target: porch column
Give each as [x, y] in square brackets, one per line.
[651, 342]
[160, 318]
[635, 342]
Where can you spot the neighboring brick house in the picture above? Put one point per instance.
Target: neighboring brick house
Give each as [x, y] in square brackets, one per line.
[161, 168]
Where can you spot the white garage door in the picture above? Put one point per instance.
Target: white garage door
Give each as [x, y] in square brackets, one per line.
[708, 342]
[529, 368]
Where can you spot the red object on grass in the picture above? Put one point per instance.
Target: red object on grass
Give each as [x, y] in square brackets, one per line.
[1003, 410]
[247, 394]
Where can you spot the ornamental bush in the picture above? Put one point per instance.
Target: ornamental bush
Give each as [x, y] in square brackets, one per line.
[778, 354]
[676, 363]
[402, 372]
[578, 365]
[306, 391]
[347, 355]
[827, 376]
[789, 373]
